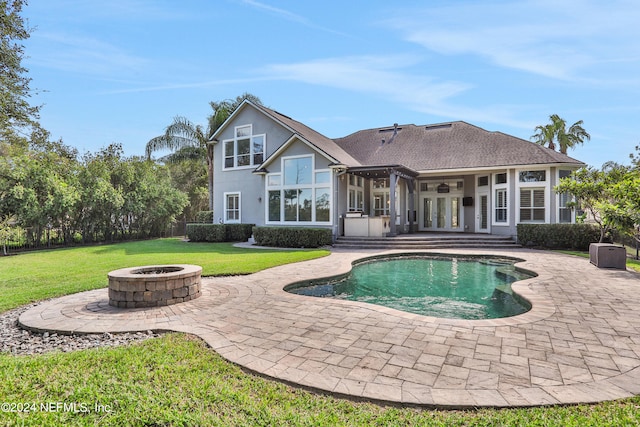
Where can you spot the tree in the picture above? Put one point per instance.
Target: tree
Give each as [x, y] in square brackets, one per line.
[183, 133]
[15, 111]
[611, 196]
[556, 133]
[590, 187]
[189, 175]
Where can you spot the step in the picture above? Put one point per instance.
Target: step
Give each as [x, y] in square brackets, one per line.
[426, 242]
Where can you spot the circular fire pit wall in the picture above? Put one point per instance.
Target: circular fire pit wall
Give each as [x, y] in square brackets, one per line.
[154, 286]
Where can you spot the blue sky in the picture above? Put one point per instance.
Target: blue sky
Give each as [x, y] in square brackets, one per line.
[120, 70]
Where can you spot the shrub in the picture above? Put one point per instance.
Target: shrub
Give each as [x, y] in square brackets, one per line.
[204, 217]
[292, 237]
[219, 232]
[558, 236]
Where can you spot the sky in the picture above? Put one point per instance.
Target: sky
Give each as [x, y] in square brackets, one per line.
[119, 71]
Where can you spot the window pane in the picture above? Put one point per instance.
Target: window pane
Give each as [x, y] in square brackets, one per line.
[564, 174]
[501, 178]
[322, 177]
[538, 214]
[305, 204]
[322, 204]
[258, 149]
[258, 143]
[565, 215]
[381, 183]
[455, 212]
[298, 171]
[290, 205]
[244, 158]
[532, 176]
[228, 148]
[501, 206]
[483, 180]
[538, 198]
[442, 208]
[273, 180]
[274, 205]
[243, 131]
[233, 207]
[428, 211]
[525, 214]
[484, 212]
[229, 154]
[525, 198]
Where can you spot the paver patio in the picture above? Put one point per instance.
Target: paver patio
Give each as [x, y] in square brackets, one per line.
[579, 343]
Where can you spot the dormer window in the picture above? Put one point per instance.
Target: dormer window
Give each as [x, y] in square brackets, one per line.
[245, 149]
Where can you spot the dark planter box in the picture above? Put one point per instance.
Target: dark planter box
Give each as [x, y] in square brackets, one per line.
[606, 255]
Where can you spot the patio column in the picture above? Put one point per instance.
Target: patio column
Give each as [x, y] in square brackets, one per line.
[392, 202]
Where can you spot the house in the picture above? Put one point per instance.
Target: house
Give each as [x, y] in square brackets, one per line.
[449, 177]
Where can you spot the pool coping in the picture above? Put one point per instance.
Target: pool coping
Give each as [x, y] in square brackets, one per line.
[557, 353]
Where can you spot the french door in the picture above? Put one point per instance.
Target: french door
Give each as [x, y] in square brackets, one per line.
[482, 211]
[441, 212]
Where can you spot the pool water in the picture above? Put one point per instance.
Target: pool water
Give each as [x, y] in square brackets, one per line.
[464, 288]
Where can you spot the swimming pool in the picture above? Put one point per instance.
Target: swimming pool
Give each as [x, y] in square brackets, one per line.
[463, 287]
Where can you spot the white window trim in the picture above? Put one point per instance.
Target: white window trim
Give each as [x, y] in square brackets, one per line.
[494, 199]
[226, 207]
[313, 186]
[546, 185]
[235, 138]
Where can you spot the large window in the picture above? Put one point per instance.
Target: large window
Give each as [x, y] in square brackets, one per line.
[232, 207]
[245, 149]
[500, 199]
[299, 194]
[532, 205]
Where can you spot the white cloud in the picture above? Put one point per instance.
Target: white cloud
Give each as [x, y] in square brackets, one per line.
[290, 16]
[82, 54]
[382, 75]
[562, 40]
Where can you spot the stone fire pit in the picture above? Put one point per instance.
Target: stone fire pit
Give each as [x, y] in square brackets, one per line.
[154, 285]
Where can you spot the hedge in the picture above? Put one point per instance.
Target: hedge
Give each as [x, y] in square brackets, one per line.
[558, 236]
[292, 237]
[205, 217]
[219, 232]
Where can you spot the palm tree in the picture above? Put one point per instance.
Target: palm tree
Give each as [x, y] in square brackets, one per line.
[555, 132]
[575, 136]
[182, 133]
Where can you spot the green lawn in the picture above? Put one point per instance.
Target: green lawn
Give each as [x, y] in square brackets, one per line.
[39, 275]
[177, 381]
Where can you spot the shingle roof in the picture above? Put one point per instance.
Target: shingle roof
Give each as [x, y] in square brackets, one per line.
[320, 141]
[455, 145]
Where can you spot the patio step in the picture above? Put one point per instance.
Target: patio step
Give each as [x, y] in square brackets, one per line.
[427, 242]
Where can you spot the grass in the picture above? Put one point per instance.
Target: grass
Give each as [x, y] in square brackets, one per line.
[40, 275]
[176, 380]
